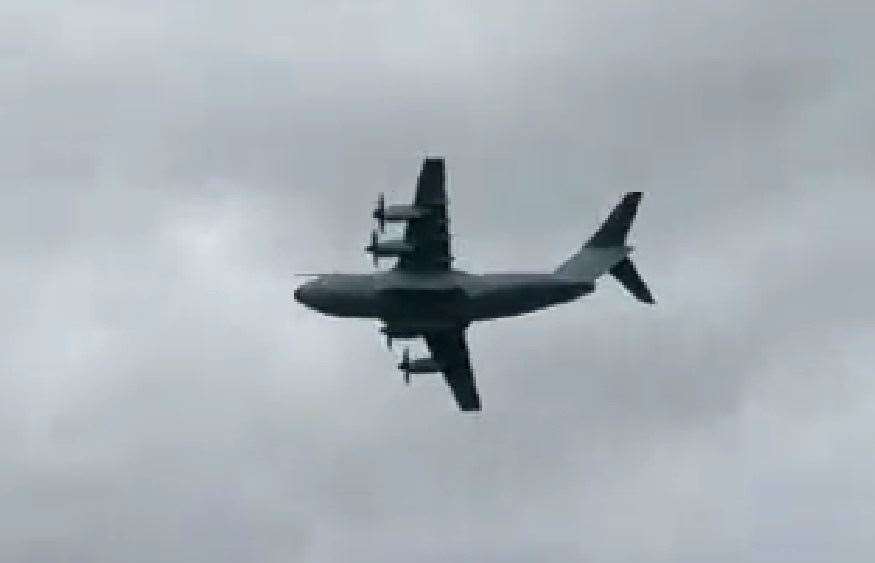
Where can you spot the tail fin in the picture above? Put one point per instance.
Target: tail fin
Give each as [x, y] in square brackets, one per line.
[606, 251]
[615, 228]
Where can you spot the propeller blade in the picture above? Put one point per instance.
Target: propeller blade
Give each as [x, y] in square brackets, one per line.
[373, 248]
[405, 364]
[381, 212]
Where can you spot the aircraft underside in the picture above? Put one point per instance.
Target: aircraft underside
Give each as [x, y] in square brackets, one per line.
[461, 305]
[422, 296]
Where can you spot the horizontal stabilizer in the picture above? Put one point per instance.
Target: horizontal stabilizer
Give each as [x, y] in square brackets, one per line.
[625, 273]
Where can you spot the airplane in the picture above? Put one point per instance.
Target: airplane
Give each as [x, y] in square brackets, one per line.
[424, 296]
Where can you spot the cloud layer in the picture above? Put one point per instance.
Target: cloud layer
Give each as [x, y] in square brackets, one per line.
[167, 167]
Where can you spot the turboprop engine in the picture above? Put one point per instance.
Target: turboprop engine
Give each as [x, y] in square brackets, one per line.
[396, 213]
[400, 333]
[414, 329]
[387, 248]
[417, 365]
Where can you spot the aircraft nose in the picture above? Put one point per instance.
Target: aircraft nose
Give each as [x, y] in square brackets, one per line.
[301, 294]
[308, 294]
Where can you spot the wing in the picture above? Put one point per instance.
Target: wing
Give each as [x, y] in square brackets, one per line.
[450, 350]
[429, 235]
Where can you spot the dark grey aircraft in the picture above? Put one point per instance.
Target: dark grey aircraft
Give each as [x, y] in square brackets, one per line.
[424, 296]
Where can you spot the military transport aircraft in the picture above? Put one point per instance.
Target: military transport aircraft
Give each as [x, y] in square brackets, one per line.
[424, 296]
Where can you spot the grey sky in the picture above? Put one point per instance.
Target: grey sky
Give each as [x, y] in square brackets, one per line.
[166, 166]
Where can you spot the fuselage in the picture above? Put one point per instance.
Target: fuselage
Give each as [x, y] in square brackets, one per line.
[451, 296]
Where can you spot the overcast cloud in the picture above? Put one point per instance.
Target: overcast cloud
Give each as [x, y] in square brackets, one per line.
[166, 166]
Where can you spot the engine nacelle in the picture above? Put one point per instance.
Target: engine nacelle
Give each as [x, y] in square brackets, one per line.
[417, 365]
[388, 248]
[400, 333]
[405, 330]
[396, 213]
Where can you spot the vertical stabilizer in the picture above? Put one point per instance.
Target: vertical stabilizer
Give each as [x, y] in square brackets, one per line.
[614, 230]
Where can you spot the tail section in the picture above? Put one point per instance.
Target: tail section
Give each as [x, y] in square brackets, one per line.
[606, 251]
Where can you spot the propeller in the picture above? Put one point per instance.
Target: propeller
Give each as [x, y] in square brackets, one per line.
[405, 365]
[380, 212]
[375, 241]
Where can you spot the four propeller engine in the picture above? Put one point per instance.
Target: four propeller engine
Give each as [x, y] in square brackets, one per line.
[396, 248]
